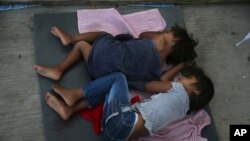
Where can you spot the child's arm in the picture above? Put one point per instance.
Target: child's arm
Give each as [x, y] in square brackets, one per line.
[164, 84]
[169, 75]
[157, 86]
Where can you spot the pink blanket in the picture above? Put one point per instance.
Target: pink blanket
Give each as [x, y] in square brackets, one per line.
[187, 129]
[110, 20]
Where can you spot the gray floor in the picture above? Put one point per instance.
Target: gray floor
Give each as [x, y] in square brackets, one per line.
[124, 1]
[218, 28]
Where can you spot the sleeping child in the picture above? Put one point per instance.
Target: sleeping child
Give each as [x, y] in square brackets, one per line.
[139, 59]
[119, 120]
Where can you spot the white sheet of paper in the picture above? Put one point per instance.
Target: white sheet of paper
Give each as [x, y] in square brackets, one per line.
[247, 37]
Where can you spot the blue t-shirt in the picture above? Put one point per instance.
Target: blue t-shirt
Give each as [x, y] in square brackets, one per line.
[138, 59]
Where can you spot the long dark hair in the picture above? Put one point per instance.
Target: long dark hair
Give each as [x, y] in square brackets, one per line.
[184, 48]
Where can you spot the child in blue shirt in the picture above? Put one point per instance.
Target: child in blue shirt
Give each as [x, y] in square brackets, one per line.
[140, 59]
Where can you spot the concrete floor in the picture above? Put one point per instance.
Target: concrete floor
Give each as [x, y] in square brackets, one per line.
[218, 28]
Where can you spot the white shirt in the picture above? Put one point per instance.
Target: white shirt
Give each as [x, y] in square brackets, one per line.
[164, 108]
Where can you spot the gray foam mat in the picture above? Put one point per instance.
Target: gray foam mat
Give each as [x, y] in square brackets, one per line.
[49, 51]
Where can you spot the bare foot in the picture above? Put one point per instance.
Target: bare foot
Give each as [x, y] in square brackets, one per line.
[64, 37]
[59, 106]
[49, 72]
[70, 96]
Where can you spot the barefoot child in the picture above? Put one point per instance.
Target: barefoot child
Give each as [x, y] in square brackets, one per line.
[139, 59]
[119, 121]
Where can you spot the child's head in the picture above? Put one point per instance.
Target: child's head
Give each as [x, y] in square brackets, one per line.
[183, 48]
[198, 86]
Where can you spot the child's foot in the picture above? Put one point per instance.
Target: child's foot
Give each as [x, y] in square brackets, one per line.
[64, 37]
[49, 72]
[70, 96]
[59, 106]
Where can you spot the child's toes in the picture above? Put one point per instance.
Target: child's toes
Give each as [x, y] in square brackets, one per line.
[47, 96]
[53, 86]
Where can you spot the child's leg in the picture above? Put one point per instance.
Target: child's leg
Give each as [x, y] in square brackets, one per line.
[61, 108]
[70, 96]
[95, 91]
[114, 86]
[80, 49]
[118, 120]
[67, 39]
[107, 88]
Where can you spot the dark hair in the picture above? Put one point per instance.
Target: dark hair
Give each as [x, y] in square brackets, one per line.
[204, 85]
[183, 50]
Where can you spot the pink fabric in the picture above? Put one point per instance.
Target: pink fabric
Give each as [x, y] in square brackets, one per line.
[186, 129]
[110, 20]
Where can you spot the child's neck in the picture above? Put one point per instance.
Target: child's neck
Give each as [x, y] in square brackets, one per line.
[188, 93]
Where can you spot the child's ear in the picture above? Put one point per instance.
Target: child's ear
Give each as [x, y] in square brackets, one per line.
[196, 92]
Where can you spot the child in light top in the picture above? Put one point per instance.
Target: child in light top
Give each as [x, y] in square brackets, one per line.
[119, 121]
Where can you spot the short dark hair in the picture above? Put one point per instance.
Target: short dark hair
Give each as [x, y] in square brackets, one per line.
[184, 48]
[204, 85]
